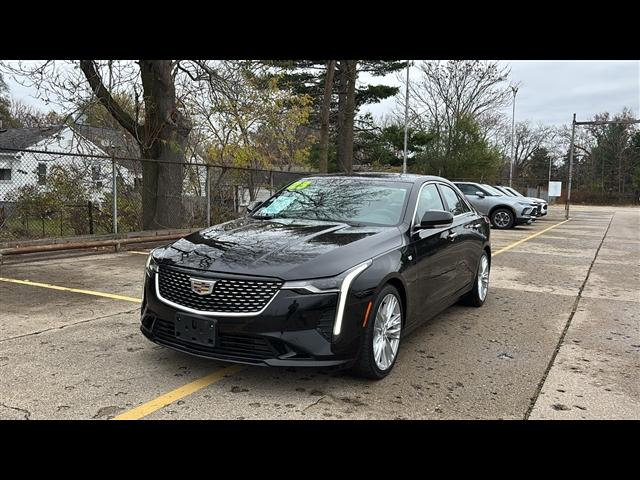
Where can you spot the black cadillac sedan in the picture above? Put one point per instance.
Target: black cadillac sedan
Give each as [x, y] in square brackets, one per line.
[332, 270]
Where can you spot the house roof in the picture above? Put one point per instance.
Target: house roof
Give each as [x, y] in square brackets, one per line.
[20, 138]
[103, 137]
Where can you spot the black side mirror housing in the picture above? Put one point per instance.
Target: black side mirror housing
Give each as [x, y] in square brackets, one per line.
[253, 206]
[435, 219]
[480, 194]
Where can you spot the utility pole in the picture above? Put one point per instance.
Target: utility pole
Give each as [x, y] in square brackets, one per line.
[573, 133]
[514, 89]
[406, 121]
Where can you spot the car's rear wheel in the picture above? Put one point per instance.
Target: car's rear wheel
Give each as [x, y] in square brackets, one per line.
[478, 293]
[381, 339]
[502, 218]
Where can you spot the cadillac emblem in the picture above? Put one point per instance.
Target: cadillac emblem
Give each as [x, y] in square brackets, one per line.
[202, 287]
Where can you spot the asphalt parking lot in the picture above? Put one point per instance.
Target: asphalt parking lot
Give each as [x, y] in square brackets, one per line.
[558, 338]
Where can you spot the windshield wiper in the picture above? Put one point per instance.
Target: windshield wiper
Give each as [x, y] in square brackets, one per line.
[265, 217]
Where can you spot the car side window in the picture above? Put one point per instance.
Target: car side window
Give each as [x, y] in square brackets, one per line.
[429, 200]
[456, 205]
[467, 189]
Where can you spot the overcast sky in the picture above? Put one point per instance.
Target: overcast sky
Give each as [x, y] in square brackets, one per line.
[550, 91]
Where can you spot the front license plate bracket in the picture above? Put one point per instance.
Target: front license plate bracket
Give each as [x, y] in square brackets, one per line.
[201, 331]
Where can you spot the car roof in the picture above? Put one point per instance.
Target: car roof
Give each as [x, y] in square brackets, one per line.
[388, 176]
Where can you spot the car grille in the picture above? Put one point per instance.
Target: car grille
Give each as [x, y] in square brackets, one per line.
[228, 296]
[238, 346]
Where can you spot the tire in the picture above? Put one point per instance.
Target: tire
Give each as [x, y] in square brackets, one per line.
[502, 218]
[477, 296]
[366, 364]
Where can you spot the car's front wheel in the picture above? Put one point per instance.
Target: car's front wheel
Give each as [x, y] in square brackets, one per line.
[381, 339]
[502, 218]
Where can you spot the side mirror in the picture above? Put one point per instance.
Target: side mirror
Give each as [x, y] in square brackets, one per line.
[253, 206]
[435, 219]
[480, 194]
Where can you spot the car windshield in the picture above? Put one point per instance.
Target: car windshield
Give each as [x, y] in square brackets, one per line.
[504, 191]
[493, 191]
[349, 200]
[515, 192]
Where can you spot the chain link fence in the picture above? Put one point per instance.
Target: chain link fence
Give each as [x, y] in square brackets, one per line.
[45, 194]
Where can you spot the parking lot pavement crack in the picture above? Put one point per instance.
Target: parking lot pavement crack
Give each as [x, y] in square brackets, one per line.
[27, 413]
[61, 327]
[314, 403]
[574, 309]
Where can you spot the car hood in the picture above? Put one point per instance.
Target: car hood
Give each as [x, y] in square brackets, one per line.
[290, 249]
[539, 200]
[515, 201]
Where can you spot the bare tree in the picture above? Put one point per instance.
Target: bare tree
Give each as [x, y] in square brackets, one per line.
[528, 139]
[450, 90]
[161, 134]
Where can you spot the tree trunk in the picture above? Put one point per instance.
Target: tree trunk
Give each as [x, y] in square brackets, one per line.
[342, 103]
[346, 113]
[324, 125]
[349, 116]
[165, 136]
[162, 140]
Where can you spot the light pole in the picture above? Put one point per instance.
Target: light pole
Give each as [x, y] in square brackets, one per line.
[406, 121]
[514, 89]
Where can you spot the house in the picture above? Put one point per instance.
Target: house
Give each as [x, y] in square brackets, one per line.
[77, 146]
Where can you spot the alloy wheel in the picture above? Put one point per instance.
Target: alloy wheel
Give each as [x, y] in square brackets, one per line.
[386, 332]
[483, 277]
[502, 219]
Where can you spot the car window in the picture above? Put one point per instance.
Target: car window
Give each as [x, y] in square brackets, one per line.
[467, 189]
[455, 203]
[429, 200]
[503, 190]
[493, 191]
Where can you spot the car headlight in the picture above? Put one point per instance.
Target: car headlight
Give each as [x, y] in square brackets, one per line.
[151, 266]
[338, 284]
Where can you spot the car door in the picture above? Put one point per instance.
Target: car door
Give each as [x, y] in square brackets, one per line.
[465, 237]
[435, 271]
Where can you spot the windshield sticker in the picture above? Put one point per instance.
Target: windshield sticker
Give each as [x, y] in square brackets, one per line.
[299, 185]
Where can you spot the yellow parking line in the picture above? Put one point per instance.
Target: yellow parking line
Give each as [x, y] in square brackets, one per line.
[526, 239]
[74, 290]
[136, 251]
[175, 395]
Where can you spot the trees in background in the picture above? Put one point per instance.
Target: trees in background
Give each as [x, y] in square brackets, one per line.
[336, 98]
[528, 140]
[606, 157]
[161, 132]
[5, 105]
[456, 105]
[300, 113]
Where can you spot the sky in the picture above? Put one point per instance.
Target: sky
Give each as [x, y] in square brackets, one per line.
[549, 93]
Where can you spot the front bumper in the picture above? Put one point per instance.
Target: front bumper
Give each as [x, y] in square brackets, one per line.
[295, 329]
[524, 216]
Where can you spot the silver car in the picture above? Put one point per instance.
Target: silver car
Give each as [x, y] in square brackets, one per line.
[504, 211]
[541, 203]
